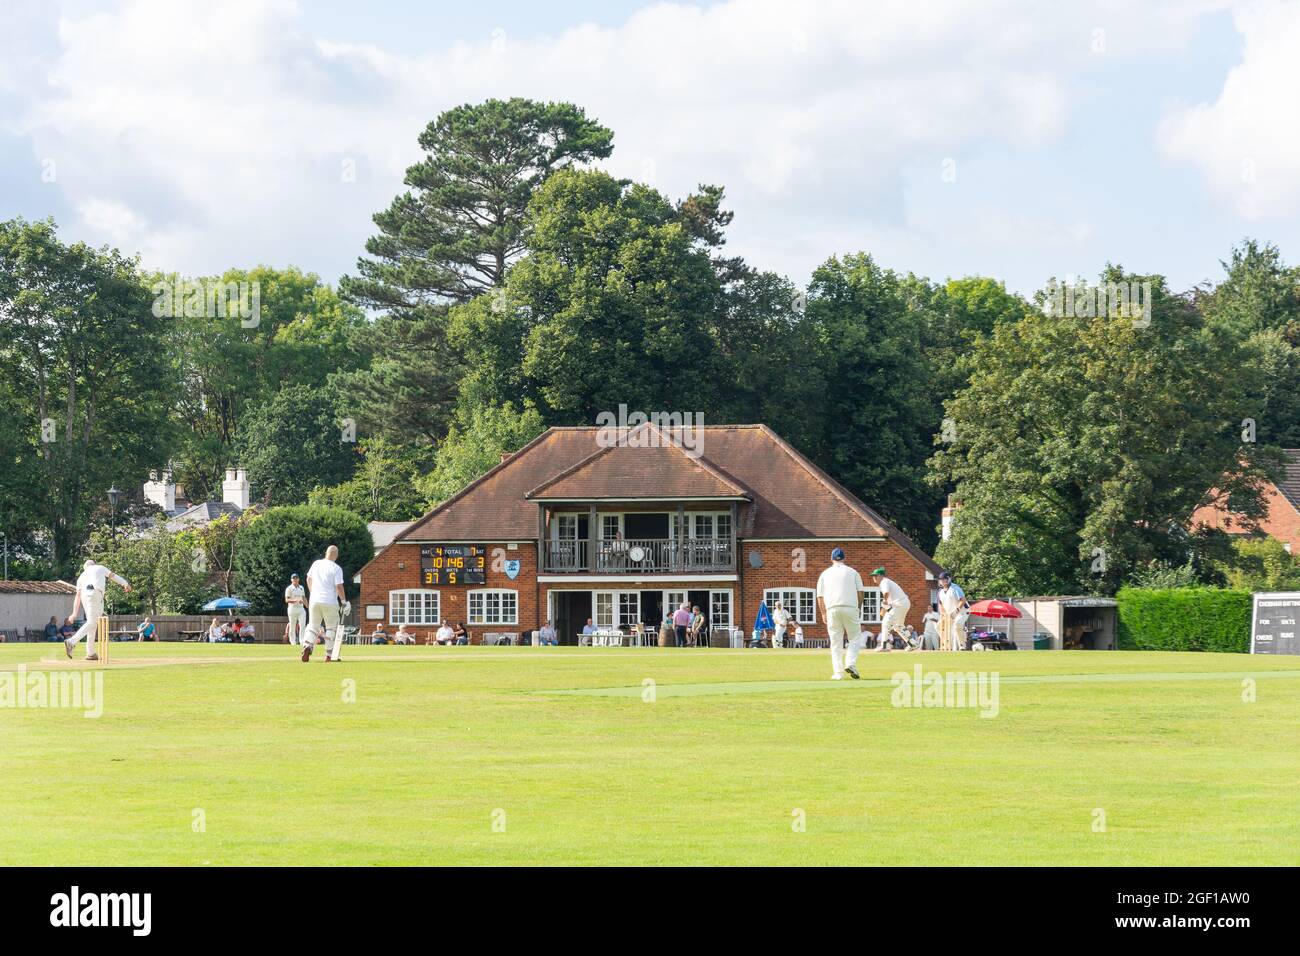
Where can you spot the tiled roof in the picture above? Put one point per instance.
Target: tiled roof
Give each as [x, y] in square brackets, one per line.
[202, 513]
[1290, 486]
[662, 469]
[789, 496]
[36, 587]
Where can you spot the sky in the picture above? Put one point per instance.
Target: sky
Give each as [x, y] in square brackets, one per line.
[1011, 138]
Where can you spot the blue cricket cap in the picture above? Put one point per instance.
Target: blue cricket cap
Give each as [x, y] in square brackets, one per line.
[837, 554]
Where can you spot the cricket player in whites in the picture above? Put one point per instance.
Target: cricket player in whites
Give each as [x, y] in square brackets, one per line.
[839, 600]
[295, 598]
[325, 597]
[90, 596]
[894, 605]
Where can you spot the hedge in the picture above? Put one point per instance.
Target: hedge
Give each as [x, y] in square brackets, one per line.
[290, 538]
[1184, 619]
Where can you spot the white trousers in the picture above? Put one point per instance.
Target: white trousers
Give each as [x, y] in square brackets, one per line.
[297, 622]
[855, 647]
[778, 637]
[323, 619]
[840, 623]
[93, 604]
[894, 620]
[959, 629]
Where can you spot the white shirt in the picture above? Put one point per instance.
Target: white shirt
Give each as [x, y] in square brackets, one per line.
[840, 586]
[931, 620]
[781, 618]
[891, 593]
[294, 591]
[445, 633]
[322, 578]
[94, 579]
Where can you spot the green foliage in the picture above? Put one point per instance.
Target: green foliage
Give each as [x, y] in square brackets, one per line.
[462, 223]
[472, 449]
[1161, 575]
[384, 487]
[167, 571]
[293, 443]
[1082, 444]
[1184, 619]
[1262, 564]
[288, 539]
[81, 349]
[225, 366]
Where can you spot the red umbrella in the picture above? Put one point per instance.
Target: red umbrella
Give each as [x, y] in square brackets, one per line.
[993, 608]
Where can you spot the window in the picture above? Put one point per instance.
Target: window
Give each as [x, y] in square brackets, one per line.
[494, 607]
[617, 608]
[711, 525]
[673, 600]
[413, 607]
[610, 526]
[566, 527]
[871, 606]
[720, 609]
[800, 602]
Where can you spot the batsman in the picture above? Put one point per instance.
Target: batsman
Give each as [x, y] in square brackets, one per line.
[325, 600]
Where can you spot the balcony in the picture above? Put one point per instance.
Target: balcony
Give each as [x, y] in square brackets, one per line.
[640, 556]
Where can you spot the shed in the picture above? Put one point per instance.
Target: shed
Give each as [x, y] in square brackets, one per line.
[1073, 622]
[28, 605]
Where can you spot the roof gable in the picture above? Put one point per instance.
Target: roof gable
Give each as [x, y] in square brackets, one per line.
[649, 463]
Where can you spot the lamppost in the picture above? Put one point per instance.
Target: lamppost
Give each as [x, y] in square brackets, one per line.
[114, 496]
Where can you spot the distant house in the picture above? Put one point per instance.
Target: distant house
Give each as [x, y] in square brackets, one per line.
[28, 605]
[1282, 520]
[181, 514]
[571, 527]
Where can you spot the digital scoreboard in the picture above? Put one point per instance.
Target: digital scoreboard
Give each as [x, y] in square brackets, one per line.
[453, 564]
[1274, 623]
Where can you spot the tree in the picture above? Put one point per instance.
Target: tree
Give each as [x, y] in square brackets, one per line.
[288, 539]
[877, 414]
[165, 568]
[296, 331]
[293, 443]
[614, 303]
[83, 354]
[473, 448]
[1084, 441]
[384, 487]
[454, 234]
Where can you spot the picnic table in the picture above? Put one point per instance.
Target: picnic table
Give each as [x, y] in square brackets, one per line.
[192, 635]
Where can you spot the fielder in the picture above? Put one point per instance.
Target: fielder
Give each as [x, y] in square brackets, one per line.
[781, 621]
[325, 596]
[839, 599]
[894, 605]
[90, 597]
[296, 600]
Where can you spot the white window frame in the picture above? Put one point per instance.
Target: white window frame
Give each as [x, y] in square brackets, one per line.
[800, 602]
[715, 518]
[562, 519]
[718, 615]
[624, 607]
[870, 606]
[482, 595]
[399, 606]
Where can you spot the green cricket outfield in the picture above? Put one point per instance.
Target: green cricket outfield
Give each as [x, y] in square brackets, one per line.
[242, 755]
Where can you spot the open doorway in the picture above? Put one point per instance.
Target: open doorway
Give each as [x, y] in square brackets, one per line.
[571, 610]
[700, 599]
[652, 609]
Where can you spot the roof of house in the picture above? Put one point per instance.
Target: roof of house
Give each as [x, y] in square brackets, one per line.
[383, 532]
[36, 587]
[202, 513]
[788, 496]
[1290, 484]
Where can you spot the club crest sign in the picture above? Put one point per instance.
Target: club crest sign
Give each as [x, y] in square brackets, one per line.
[512, 569]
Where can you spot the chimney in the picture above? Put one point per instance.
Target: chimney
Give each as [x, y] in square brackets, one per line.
[161, 492]
[946, 519]
[234, 490]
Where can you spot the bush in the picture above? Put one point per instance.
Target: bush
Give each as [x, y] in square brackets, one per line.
[1184, 619]
[288, 539]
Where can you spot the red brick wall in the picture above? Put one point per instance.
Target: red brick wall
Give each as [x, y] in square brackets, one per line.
[384, 574]
[1282, 521]
[778, 570]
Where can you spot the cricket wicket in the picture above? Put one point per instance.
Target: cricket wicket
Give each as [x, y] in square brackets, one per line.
[101, 639]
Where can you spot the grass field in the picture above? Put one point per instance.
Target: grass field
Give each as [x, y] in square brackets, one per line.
[243, 755]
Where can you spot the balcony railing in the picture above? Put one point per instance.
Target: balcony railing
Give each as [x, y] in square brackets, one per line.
[640, 556]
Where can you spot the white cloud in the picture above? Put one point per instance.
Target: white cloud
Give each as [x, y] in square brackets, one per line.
[212, 135]
[1246, 143]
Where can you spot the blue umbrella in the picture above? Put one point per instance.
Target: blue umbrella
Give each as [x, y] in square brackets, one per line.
[764, 620]
[226, 604]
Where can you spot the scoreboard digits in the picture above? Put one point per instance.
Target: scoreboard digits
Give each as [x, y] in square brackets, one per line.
[453, 564]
